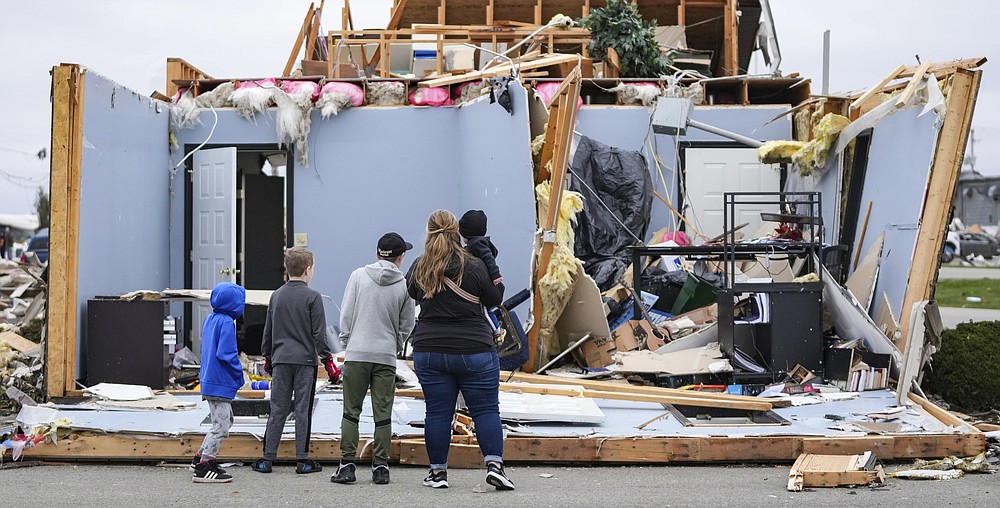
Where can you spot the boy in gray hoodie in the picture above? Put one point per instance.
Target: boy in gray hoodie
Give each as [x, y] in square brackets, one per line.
[376, 319]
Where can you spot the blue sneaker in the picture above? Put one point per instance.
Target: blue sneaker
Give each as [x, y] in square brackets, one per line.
[262, 466]
[306, 466]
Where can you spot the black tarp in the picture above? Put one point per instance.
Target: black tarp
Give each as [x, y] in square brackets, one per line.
[621, 181]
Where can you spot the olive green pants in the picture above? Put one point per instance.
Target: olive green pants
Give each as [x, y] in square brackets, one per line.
[358, 378]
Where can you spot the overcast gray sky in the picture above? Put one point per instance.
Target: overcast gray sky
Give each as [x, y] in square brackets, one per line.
[129, 42]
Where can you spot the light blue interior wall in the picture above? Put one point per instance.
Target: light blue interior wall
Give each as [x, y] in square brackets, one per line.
[378, 169]
[626, 127]
[899, 162]
[495, 175]
[124, 204]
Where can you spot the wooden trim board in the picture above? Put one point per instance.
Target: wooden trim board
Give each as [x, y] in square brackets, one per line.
[587, 450]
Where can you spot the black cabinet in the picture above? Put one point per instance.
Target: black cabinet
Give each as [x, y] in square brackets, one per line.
[125, 342]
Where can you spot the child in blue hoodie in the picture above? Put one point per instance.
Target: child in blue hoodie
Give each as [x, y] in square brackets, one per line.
[221, 376]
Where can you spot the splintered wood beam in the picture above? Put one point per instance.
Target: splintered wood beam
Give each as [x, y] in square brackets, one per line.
[67, 143]
[560, 133]
[875, 90]
[499, 70]
[730, 51]
[314, 32]
[911, 88]
[393, 24]
[297, 47]
[948, 157]
[605, 386]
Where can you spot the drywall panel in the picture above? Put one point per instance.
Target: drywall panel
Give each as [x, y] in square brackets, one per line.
[626, 127]
[374, 170]
[495, 175]
[123, 245]
[899, 161]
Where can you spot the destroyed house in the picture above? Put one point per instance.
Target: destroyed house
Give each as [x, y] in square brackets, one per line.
[681, 229]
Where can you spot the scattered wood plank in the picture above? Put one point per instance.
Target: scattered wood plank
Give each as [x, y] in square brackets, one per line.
[875, 90]
[811, 470]
[545, 61]
[18, 343]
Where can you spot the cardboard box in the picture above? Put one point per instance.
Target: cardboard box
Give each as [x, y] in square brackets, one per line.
[633, 333]
[595, 353]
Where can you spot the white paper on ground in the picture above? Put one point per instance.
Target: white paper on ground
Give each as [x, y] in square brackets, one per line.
[29, 416]
[115, 391]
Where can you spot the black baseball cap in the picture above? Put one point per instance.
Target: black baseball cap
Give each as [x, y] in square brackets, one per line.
[392, 245]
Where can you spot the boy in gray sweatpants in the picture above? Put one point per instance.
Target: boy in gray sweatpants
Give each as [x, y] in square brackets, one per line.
[294, 336]
[376, 319]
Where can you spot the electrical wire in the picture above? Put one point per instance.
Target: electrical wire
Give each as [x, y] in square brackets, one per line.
[203, 143]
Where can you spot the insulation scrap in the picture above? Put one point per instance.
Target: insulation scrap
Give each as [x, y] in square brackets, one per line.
[812, 156]
[923, 474]
[252, 97]
[294, 100]
[548, 89]
[431, 96]
[556, 286]
[695, 91]
[637, 93]
[337, 96]
[386, 93]
[220, 97]
[468, 91]
[184, 111]
[778, 152]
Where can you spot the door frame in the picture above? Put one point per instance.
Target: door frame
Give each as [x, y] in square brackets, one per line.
[189, 204]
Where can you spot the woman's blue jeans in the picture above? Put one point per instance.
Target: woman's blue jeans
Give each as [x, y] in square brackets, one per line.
[477, 376]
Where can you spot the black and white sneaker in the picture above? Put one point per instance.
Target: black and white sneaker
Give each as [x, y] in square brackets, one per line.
[496, 477]
[209, 472]
[380, 474]
[345, 473]
[438, 480]
[195, 461]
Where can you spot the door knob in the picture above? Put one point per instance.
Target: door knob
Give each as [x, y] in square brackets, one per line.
[228, 271]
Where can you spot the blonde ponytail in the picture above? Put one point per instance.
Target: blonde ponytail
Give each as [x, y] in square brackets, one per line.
[442, 243]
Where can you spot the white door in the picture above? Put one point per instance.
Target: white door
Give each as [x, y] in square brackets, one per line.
[213, 239]
[710, 172]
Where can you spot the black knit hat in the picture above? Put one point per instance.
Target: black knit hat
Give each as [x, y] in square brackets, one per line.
[473, 223]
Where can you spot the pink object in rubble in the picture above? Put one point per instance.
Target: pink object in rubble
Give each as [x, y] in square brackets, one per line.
[677, 237]
[257, 83]
[300, 88]
[547, 89]
[354, 92]
[431, 96]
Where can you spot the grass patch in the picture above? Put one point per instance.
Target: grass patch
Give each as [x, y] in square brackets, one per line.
[952, 293]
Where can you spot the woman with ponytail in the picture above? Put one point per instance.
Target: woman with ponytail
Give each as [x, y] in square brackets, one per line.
[454, 349]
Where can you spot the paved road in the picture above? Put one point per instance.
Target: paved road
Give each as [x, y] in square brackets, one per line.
[952, 316]
[961, 272]
[124, 485]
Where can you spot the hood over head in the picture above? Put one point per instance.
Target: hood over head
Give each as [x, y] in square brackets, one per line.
[384, 273]
[228, 299]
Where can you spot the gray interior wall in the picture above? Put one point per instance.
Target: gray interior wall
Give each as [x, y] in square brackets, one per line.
[899, 162]
[374, 170]
[123, 195]
[627, 128]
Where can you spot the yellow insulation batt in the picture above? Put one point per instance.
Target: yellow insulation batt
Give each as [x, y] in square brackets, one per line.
[777, 152]
[812, 156]
[556, 286]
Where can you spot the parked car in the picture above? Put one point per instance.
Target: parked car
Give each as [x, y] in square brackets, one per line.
[39, 244]
[963, 245]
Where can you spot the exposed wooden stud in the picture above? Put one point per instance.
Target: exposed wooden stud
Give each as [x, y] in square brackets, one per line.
[393, 24]
[64, 192]
[911, 88]
[538, 12]
[180, 70]
[562, 118]
[313, 32]
[948, 157]
[730, 50]
[297, 47]
[873, 91]
[861, 241]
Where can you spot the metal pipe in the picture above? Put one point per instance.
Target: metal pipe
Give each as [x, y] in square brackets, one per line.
[826, 62]
[724, 133]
